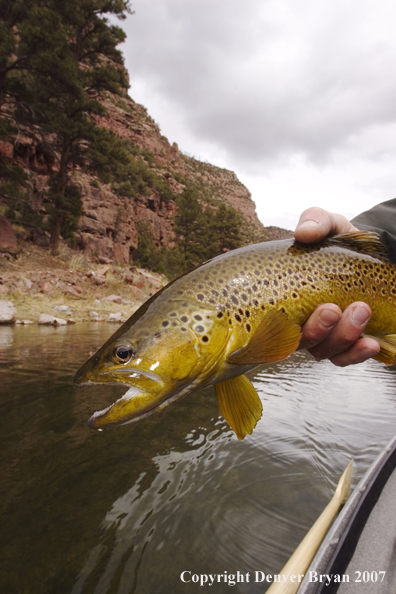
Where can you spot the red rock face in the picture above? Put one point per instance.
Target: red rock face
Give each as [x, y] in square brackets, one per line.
[108, 227]
[7, 235]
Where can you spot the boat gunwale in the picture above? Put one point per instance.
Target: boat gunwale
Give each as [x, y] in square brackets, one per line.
[338, 546]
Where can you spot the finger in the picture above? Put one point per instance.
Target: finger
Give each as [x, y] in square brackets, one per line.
[363, 349]
[346, 332]
[319, 325]
[315, 224]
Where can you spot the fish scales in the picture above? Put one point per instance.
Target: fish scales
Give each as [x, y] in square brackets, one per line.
[238, 310]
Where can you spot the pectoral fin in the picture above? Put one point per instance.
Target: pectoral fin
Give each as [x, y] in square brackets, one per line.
[276, 337]
[387, 353]
[239, 404]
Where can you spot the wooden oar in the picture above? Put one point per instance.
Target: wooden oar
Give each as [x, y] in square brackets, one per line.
[305, 552]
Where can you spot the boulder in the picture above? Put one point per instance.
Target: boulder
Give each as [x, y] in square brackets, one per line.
[104, 260]
[116, 317]
[98, 279]
[47, 319]
[102, 271]
[65, 308]
[46, 287]
[7, 312]
[71, 290]
[113, 299]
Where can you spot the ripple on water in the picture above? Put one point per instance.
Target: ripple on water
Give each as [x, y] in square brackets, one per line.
[182, 493]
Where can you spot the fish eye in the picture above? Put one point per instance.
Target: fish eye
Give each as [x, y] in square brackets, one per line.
[123, 353]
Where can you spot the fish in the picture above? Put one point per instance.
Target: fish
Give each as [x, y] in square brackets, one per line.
[233, 313]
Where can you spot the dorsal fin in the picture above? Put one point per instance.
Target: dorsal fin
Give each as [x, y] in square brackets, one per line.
[367, 242]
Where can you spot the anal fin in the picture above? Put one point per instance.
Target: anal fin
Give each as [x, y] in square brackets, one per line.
[276, 337]
[387, 343]
[239, 404]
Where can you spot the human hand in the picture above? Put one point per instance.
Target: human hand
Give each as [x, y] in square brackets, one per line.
[330, 333]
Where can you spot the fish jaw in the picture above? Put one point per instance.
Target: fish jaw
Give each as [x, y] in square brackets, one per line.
[146, 391]
[133, 405]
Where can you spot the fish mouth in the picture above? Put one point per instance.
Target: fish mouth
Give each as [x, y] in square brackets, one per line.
[123, 411]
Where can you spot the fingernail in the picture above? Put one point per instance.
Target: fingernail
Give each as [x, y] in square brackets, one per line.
[308, 225]
[328, 318]
[367, 352]
[360, 315]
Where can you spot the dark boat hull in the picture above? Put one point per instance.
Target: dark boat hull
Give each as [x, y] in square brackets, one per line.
[361, 544]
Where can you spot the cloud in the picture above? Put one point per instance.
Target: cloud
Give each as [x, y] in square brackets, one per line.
[297, 96]
[267, 80]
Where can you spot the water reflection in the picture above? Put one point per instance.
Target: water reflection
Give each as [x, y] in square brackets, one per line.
[127, 510]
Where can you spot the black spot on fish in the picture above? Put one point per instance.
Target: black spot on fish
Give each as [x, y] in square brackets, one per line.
[198, 318]
[184, 319]
[199, 328]
[220, 314]
[165, 324]
[200, 297]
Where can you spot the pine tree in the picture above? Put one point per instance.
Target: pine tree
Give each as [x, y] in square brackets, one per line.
[225, 230]
[191, 229]
[72, 58]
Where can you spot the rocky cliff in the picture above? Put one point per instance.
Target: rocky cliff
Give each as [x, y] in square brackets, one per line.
[108, 226]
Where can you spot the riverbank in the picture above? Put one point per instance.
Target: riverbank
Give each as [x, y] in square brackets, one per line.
[72, 286]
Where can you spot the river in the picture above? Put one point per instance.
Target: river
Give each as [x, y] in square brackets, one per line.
[143, 509]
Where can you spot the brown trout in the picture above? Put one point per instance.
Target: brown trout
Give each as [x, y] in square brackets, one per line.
[234, 312]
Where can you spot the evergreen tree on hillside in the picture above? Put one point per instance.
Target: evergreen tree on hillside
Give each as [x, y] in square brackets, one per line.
[225, 230]
[71, 58]
[191, 229]
[12, 59]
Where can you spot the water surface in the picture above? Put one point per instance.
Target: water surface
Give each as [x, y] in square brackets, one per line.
[126, 511]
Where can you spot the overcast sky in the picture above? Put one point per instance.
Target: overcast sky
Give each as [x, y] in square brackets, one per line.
[297, 97]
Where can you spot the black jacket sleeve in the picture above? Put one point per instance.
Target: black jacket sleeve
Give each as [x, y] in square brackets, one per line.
[381, 219]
